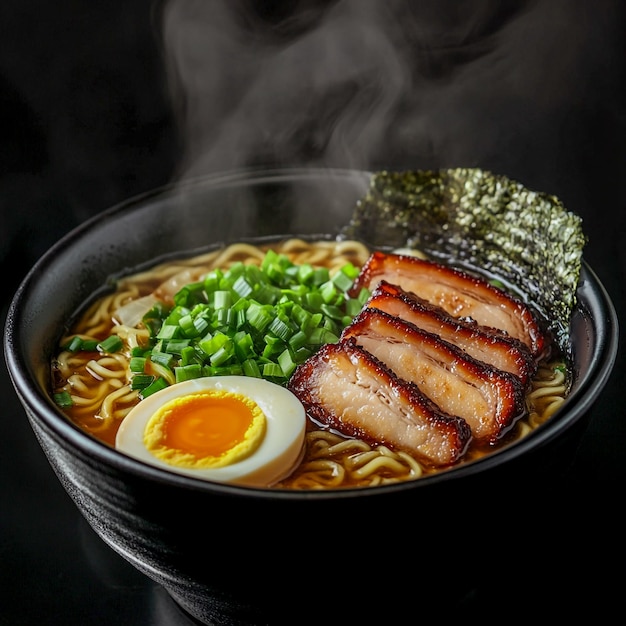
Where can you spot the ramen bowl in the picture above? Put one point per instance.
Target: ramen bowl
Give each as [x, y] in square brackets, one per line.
[231, 554]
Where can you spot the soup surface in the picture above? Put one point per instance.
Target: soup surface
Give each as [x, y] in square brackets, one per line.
[96, 380]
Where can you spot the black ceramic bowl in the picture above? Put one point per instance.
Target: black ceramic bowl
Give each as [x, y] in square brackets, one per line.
[237, 555]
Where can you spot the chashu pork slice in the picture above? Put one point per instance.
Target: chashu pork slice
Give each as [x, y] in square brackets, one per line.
[459, 293]
[348, 389]
[484, 344]
[488, 399]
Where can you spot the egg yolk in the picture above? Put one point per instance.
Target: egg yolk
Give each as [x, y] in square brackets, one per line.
[214, 428]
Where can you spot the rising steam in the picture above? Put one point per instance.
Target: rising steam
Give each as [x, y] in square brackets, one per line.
[317, 90]
[366, 84]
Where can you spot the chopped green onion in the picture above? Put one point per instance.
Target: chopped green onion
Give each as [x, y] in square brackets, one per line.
[342, 281]
[75, 345]
[222, 299]
[156, 385]
[241, 287]
[258, 317]
[364, 294]
[280, 328]
[273, 348]
[215, 343]
[111, 344]
[332, 311]
[257, 320]
[353, 307]
[225, 318]
[297, 340]
[272, 370]
[244, 346]
[188, 372]
[176, 346]
[141, 381]
[137, 364]
[305, 273]
[320, 336]
[251, 368]
[286, 362]
[169, 331]
[188, 326]
[233, 369]
[320, 276]
[188, 355]
[266, 294]
[302, 354]
[351, 271]
[212, 280]
[314, 300]
[189, 293]
[63, 399]
[221, 355]
[328, 292]
[162, 358]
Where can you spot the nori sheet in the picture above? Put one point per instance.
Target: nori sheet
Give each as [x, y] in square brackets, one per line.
[482, 221]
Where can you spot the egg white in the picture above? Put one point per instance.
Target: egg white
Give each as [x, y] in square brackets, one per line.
[278, 453]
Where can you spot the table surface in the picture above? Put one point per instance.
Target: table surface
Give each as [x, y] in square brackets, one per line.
[562, 131]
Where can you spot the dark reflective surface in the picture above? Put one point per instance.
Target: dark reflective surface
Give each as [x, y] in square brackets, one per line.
[85, 123]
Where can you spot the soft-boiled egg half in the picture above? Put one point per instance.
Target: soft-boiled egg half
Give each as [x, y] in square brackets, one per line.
[234, 429]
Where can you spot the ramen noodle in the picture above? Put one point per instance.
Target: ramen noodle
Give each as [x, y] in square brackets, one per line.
[102, 395]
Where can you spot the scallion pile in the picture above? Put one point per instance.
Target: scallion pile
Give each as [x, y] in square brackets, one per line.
[260, 321]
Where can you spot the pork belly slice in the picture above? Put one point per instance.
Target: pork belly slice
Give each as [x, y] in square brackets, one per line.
[457, 292]
[488, 399]
[482, 343]
[348, 389]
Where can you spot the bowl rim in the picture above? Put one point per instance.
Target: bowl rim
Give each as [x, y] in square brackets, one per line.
[591, 293]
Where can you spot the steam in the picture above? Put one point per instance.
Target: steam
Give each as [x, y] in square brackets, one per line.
[318, 90]
[367, 84]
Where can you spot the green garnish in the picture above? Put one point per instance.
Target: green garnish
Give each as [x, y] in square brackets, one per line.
[63, 399]
[260, 321]
[157, 384]
[141, 381]
[110, 344]
[137, 364]
[77, 344]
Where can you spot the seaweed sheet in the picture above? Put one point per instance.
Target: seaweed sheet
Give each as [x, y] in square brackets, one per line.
[484, 221]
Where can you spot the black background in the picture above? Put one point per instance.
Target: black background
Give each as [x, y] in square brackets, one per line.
[532, 90]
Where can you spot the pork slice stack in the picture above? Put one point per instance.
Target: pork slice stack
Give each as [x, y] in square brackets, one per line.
[488, 399]
[490, 345]
[436, 359]
[459, 293]
[350, 390]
